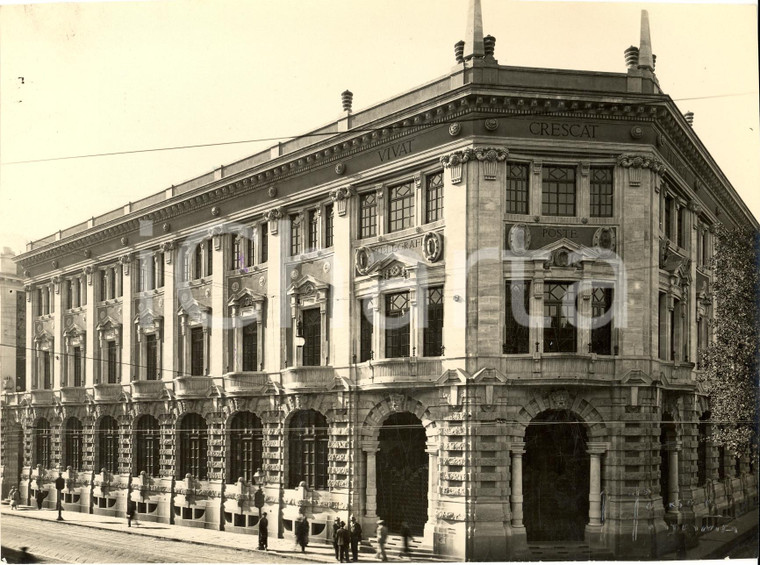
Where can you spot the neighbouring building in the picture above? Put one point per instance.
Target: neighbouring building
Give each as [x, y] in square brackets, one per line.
[475, 307]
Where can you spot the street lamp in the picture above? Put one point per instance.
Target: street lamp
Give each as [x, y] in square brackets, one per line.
[259, 479]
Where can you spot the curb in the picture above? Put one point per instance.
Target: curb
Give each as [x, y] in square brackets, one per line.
[305, 557]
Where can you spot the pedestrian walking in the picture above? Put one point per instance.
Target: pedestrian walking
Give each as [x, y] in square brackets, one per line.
[302, 532]
[355, 529]
[406, 535]
[39, 496]
[344, 542]
[335, 528]
[15, 497]
[131, 512]
[263, 532]
[382, 537]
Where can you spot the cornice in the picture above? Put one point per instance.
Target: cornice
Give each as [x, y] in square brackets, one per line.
[464, 101]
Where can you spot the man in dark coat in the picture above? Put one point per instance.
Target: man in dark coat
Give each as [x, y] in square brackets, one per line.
[344, 539]
[39, 496]
[302, 532]
[131, 512]
[355, 529]
[336, 527]
[263, 531]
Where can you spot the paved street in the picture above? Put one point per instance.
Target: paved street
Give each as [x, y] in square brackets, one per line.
[52, 542]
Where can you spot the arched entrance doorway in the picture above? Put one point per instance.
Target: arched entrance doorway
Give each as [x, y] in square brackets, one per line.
[402, 473]
[12, 455]
[556, 477]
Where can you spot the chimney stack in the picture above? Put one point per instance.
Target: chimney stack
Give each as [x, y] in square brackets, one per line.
[632, 57]
[689, 116]
[489, 46]
[459, 51]
[347, 97]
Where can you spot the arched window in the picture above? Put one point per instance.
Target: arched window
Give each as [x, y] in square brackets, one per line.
[245, 442]
[193, 446]
[42, 443]
[108, 445]
[307, 444]
[73, 445]
[147, 438]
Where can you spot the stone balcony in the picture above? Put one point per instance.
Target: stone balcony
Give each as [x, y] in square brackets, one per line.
[307, 378]
[73, 395]
[403, 369]
[192, 386]
[147, 390]
[106, 392]
[41, 397]
[245, 382]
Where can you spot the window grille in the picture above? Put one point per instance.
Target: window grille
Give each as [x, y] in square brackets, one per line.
[434, 197]
[193, 447]
[147, 440]
[73, 444]
[517, 332]
[397, 325]
[601, 337]
[433, 333]
[246, 436]
[517, 188]
[601, 192]
[558, 191]
[108, 436]
[560, 308]
[307, 447]
[368, 215]
[401, 207]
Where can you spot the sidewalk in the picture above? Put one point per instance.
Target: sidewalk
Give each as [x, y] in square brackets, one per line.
[717, 543]
[316, 551]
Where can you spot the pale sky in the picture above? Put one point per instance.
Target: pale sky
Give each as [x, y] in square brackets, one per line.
[109, 77]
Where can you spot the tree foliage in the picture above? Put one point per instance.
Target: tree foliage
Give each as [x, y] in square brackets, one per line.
[731, 359]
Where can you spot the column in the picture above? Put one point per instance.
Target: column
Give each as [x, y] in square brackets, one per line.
[371, 448]
[56, 353]
[277, 303]
[169, 327]
[518, 449]
[595, 451]
[30, 355]
[91, 322]
[673, 489]
[343, 303]
[125, 352]
[218, 363]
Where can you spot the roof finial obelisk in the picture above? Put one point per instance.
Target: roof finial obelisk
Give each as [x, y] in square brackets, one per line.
[474, 36]
[646, 61]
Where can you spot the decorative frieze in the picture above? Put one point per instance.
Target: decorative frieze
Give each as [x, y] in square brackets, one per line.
[490, 157]
[454, 162]
[341, 197]
[635, 164]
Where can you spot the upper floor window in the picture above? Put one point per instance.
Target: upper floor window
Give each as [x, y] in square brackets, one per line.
[397, 324]
[517, 188]
[197, 350]
[668, 217]
[243, 252]
[198, 261]
[151, 272]
[151, 357]
[401, 207]
[312, 233]
[368, 215]
[264, 242]
[680, 224]
[366, 331]
[77, 366]
[517, 330]
[295, 234]
[111, 281]
[560, 309]
[329, 225]
[311, 331]
[111, 362]
[601, 192]
[558, 191]
[433, 333]
[434, 197]
[601, 330]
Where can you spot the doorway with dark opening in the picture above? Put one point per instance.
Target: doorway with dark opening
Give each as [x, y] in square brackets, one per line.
[556, 477]
[402, 473]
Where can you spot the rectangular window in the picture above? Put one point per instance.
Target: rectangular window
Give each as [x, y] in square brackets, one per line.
[517, 188]
[558, 191]
[680, 219]
[236, 252]
[366, 331]
[77, 366]
[312, 334]
[433, 333]
[209, 258]
[103, 285]
[560, 309]
[250, 334]
[196, 351]
[329, 225]
[401, 207]
[69, 295]
[397, 325]
[264, 242]
[367, 215]
[517, 329]
[662, 327]
[198, 262]
[38, 301]
[151, 362]
[111, 362]
[434, 197]
[673, 332]
[159, 262]
[601, 336]
[601, 192]
[295, 234]
[706, 248]
[250, 251]
[47, 375]
[668, 217]
[118, 276]
[313, 231]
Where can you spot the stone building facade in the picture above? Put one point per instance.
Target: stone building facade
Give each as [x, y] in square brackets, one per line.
[476, 307]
